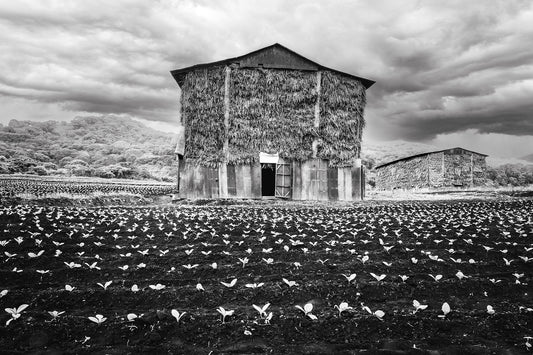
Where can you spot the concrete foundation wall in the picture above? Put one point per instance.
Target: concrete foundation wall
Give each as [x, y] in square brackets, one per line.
[308, 180]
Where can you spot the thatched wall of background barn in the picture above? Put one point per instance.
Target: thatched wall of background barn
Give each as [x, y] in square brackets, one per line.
[435, 168]
[453, 167]
[412, 173]
[464, 168]
[457, 169]
[479, 170]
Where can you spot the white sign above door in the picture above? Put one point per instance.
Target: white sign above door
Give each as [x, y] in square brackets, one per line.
[265, 158]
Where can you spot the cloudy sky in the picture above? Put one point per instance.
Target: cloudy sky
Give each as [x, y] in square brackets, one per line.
[449, 73]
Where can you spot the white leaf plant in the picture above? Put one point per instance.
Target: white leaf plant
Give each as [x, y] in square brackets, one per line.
[342, 307]
[55, 314]
[176, 314]
[225, 313]
[289, 283]
[418, 306]
[15, 312]
[105, 285]
[263, 313]
[379, 314]
[445, 310]
[98, 319]
[307, 309]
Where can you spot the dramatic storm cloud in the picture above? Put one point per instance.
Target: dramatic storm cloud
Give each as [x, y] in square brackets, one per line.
[446, 71]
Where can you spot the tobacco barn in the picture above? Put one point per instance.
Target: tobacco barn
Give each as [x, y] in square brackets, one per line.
[270, 123]
[454, 167]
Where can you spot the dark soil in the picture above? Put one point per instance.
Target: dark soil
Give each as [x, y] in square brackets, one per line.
[326, 241]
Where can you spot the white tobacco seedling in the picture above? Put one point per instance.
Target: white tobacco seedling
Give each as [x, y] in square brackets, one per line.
[98, 319]
[289, 283]
[224, 313]
[528, 344]
[55, 314]
[157, 287]
[72, 265]
[229, 284]
[445, 310]
[93, 266]
[490, 310]
[307, 309]
[350, 277]
[134, 288]
[379, 314]
[419, 306]
[106, 285]
[15, 312]
[199, 287]
[435, 277]
[131, 317]
[69, 288]
[244, 261]
[268, 318]
[378, 277]
[177, 315]
[254, 285]
[261, 310]
[189, 266]
[460, 275]
[35, 255]
[343, 306]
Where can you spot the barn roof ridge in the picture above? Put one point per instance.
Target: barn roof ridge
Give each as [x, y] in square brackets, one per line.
[176, 73]
[425, 153]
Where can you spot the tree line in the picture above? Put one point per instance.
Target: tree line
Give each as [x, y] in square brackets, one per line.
[108, 147]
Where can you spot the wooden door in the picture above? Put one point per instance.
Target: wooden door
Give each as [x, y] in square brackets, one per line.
[333, 184]
[212, 182]
[318, 180]
[283, 179]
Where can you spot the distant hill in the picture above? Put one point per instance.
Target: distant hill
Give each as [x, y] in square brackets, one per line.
[528, 158]
[87, 146]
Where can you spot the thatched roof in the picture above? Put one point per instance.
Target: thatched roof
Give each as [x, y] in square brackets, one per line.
[426, 153]
[277, 61]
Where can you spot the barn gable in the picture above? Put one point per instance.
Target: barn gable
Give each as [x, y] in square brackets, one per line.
[275, 56]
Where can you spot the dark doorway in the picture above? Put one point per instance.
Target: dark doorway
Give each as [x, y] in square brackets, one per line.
[268, 179]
